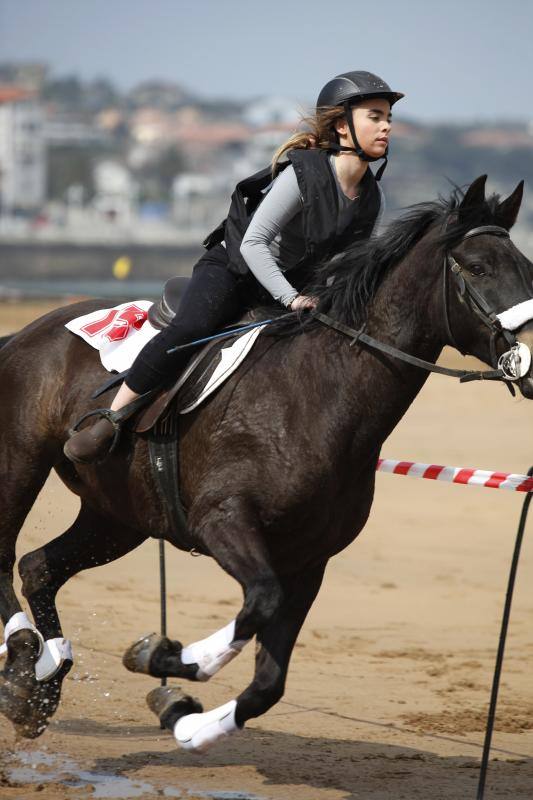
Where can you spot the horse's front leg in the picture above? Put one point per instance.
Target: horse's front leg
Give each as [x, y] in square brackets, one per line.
[198, 731]
[231, 533]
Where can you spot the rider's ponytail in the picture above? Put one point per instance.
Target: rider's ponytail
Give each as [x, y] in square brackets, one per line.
[320, 133]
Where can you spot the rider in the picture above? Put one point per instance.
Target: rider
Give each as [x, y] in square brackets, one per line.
[322, 199]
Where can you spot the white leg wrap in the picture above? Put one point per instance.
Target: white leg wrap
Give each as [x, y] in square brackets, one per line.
[20, 622]
[198, 732]
[52, 654]
[213, 653]
[55, 653]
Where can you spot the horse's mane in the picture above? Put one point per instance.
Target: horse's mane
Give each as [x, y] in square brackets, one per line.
[345, 286]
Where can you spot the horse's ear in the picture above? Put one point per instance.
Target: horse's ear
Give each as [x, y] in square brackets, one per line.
[472, 202]
[508, 210]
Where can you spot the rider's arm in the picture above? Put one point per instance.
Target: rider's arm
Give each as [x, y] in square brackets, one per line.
[279, 206]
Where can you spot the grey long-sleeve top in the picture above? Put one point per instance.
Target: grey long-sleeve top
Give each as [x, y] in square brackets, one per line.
[274, 240]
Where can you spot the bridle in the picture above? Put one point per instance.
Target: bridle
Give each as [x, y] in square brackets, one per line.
[473, 299]
[511, 365]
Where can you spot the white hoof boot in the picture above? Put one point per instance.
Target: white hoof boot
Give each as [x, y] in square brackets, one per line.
[19, 622]
[213, 653]
[199, 732]
[55, 653]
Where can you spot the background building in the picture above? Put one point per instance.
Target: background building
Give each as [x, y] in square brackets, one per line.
[22, 151]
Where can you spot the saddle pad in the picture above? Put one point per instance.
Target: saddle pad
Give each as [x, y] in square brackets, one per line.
[119, 334]
[195, 386]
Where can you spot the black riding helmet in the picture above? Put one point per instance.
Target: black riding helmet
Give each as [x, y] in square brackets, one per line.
[347, 90]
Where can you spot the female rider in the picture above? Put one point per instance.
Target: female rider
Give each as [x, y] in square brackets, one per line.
[323, 198]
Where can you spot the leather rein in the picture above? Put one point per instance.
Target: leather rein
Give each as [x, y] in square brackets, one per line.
[508, 368]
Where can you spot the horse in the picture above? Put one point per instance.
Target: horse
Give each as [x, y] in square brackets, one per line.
[278, 467]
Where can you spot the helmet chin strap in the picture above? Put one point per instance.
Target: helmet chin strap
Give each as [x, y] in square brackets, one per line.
[357, 148]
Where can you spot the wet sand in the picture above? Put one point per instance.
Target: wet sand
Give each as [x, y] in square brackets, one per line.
[389, 683]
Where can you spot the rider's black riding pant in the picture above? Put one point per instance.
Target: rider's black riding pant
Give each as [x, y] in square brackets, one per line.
[213, 298]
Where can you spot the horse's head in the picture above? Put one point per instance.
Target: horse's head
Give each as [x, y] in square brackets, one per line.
[489, 282]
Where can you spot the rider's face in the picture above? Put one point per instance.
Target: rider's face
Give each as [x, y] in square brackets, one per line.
[372, 122]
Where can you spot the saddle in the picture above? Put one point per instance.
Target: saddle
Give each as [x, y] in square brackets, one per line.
[162, 312]
[188, 386]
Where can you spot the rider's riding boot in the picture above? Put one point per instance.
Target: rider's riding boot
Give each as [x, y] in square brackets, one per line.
[91, 444]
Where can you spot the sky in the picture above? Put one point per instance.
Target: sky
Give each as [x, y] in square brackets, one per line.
[456, 61]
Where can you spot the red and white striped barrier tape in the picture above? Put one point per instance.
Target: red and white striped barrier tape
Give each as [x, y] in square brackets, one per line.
[471, 477]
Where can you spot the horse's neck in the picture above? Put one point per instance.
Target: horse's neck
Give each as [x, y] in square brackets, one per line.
[408, 309]
[406, 312]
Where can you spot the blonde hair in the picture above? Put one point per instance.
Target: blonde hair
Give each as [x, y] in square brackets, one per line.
[320, 133]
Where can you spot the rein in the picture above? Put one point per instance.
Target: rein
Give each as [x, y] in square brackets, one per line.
[508, 368]
[390, 350]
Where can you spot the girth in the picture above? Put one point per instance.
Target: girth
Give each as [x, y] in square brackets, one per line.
[164, 458]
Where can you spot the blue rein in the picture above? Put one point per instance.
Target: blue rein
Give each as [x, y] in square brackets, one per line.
[226, 334]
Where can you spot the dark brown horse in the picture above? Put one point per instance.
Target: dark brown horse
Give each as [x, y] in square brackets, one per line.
[278, 467]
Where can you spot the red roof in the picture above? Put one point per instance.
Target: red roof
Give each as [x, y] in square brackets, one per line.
[12, 94]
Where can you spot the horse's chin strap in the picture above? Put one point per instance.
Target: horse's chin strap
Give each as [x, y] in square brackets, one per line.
[348, 109]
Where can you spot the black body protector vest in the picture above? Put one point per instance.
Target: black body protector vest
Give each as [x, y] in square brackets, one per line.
[326, 231]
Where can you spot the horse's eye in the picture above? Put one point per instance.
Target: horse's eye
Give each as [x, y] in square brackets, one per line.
[476, 269]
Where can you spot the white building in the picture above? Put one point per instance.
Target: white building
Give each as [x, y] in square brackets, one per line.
[199, 202]
[22, 151]
[115, 191]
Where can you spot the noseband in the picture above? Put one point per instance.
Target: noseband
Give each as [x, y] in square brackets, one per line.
[511, 366]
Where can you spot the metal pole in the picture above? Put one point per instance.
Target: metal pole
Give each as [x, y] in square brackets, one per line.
[501, 645]
[163, 593]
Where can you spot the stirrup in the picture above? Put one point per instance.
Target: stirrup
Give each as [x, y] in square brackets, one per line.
[101, 413]
[116, 418]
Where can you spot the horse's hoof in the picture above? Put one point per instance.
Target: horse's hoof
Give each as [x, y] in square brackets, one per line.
[31, 729]
[169, 704]
[137, 657]
[20, 706]
[199, 732]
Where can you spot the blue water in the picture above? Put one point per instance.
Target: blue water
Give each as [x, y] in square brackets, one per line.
[25, 767]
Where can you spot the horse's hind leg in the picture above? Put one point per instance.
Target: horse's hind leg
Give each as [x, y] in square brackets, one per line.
[90, 541]
[24, 467]
[276, 641]
[231, 534]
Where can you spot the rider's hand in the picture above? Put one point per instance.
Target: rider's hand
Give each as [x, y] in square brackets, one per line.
[301, 301]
